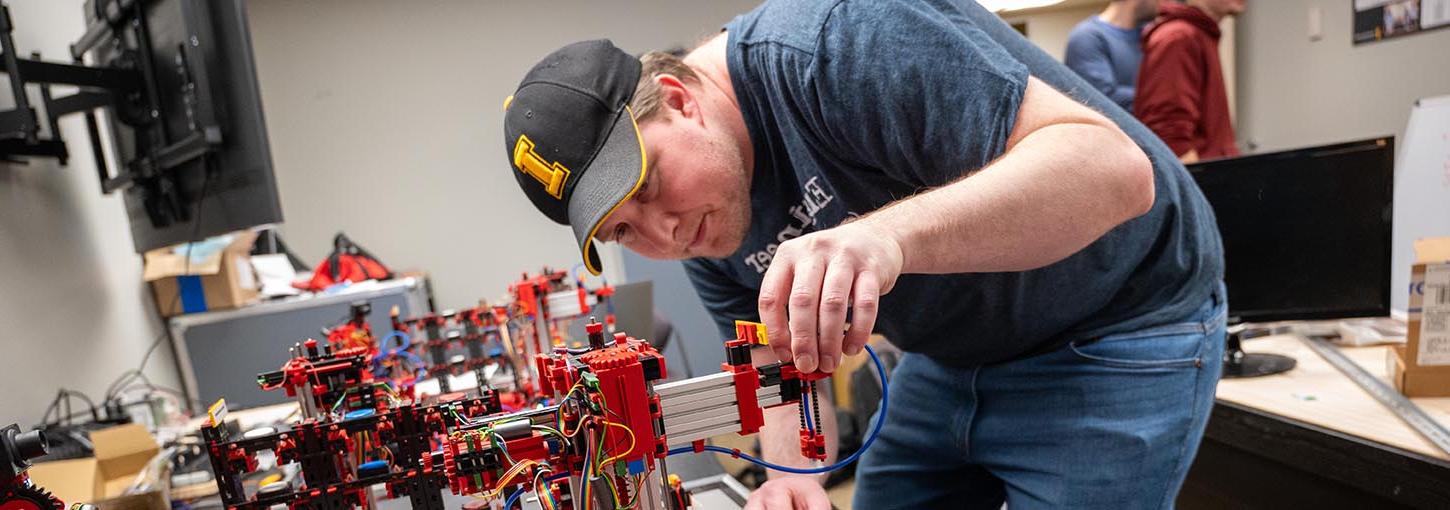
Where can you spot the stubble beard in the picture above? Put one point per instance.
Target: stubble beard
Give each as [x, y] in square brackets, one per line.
[733, 221]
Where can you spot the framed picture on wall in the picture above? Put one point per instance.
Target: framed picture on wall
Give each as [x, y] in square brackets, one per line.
[1377, 20]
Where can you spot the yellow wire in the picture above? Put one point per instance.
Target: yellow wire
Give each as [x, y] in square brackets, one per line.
[508, 477]
[627, 451]
[560, 422]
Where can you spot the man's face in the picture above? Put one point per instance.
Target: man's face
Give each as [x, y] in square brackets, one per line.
[1226, 7]
[695, 201]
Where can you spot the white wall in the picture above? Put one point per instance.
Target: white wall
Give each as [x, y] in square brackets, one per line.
[1295, 92]
[72, 305]
[1048, 28]
[385, 121]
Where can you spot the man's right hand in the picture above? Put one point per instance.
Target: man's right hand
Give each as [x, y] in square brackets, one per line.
[789, 493]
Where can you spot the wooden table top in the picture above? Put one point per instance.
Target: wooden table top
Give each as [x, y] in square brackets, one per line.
[1315, 392]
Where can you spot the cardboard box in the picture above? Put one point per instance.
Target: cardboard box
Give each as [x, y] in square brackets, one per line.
[220, 279]
[1422, 367]
[121, 453]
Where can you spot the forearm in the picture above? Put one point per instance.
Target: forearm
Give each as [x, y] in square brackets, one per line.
[1053, 193]
[780, 441]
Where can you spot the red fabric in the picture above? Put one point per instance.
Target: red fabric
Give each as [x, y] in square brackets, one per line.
[351, 268]
[1181, 94]
[348, 262]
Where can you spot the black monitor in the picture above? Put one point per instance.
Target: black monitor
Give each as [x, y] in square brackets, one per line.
[181, 132]
[1306, 232]
[205, 88]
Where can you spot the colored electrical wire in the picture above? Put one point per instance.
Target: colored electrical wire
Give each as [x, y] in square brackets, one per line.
[399, 352]
[546, 498]
[870, 438]
[497, 441]
[508, 504]
[634, 498]
[805, 405]
[627, 451]
[551, 430]
[514, 471]
[588, 472]
[406, 344]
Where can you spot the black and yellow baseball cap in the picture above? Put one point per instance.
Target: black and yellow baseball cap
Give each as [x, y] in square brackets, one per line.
[571, 139]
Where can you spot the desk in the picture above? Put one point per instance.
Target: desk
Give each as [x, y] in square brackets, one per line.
[1311, 436]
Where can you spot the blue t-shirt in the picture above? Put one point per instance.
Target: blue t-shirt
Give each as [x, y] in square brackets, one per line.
[853, 104]
[1107, 56]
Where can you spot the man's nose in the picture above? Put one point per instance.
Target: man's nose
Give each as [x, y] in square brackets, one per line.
[658, 227]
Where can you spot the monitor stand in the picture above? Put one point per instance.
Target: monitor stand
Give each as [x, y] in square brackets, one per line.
[1239, 364]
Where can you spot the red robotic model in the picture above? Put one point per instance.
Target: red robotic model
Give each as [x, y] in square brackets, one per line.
[545, 302]
[355, 331]
[599, 440]
[458, 342]
[324, 380]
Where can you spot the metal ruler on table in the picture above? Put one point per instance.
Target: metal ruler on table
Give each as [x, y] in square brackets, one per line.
[1391, 398]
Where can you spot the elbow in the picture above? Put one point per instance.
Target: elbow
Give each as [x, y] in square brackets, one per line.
[1136, 187]
[1141, 183]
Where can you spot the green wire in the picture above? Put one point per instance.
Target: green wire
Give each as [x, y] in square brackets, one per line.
[493, 438]
[553, 431]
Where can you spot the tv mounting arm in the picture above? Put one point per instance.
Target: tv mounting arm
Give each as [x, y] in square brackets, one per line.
[127, 83]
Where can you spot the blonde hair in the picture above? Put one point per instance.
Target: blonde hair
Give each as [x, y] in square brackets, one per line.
[647, 98]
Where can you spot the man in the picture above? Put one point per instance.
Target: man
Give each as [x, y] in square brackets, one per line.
[1056, 288]
[1181, 94]
[1105, 49]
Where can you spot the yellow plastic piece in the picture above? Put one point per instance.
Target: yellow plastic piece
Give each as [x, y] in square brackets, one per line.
[760, 337]
[217, 413]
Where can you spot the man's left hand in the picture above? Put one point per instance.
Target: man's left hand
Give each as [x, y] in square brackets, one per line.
[816, 278]
[789, 493]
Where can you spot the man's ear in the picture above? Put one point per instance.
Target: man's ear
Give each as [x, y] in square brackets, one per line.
[675, 96]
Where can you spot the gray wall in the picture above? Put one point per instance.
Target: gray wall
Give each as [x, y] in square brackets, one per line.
[697, 339]
[1294, 92]
[385, 122]
[72, 305]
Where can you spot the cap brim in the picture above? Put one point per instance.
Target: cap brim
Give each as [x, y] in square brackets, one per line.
[611, 179]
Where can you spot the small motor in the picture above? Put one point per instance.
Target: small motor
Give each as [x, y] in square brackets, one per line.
[17, 449]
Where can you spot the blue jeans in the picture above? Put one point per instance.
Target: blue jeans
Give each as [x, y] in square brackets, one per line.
[1109, 423]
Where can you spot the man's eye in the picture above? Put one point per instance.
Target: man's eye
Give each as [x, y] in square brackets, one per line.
[619, 232]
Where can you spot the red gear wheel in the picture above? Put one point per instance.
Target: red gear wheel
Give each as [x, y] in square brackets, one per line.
[29, 498]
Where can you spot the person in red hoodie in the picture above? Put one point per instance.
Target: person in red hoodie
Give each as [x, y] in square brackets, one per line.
[1181, 94]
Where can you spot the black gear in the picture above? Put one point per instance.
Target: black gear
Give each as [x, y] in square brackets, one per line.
[29, 498]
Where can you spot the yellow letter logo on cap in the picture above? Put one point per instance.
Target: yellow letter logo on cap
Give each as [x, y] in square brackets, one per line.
[529, 162]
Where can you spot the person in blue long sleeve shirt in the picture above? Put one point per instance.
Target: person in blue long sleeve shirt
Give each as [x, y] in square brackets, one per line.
[1106, 49]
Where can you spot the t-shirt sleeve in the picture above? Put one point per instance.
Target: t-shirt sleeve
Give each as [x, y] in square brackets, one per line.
[924, 96]
[725, 299]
